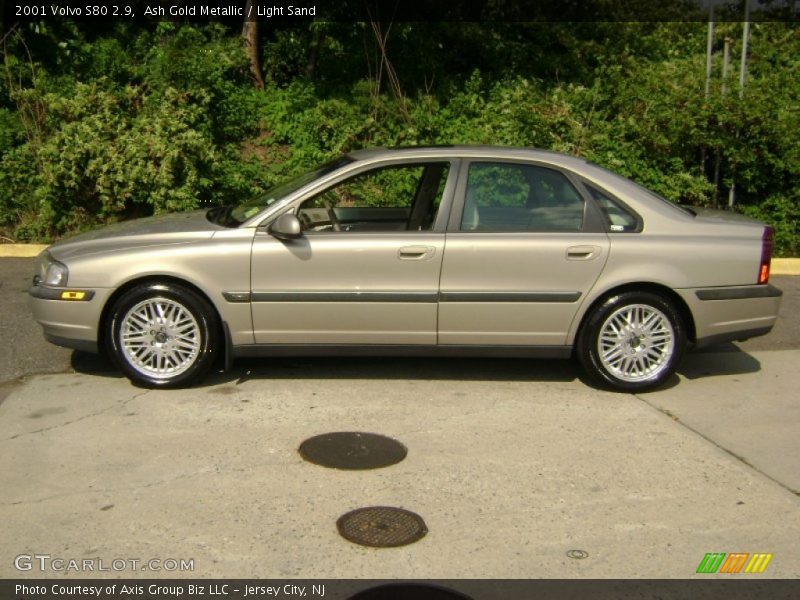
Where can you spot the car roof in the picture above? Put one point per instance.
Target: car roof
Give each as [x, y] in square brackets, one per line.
[469, 151]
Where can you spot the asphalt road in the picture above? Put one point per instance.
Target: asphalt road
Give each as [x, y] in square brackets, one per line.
[512, 463]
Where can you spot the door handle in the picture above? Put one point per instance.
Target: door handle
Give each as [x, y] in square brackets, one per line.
[583, 252]
[416, 252]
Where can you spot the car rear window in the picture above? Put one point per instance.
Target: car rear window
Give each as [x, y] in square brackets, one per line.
[650, 193]
[618, 218]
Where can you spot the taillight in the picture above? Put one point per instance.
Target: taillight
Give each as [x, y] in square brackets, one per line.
[766, 255]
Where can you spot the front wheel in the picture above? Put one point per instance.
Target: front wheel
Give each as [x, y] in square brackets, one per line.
[162, 335]
[632, 341]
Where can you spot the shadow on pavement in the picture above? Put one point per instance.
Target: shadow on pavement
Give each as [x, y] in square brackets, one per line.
[436, 369]
[727, 359]
[466, 369]
[93, 364]
[721, 360]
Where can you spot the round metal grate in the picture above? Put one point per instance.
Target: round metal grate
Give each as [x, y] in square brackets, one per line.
[352, 450]
[409, 591]
[381, 527]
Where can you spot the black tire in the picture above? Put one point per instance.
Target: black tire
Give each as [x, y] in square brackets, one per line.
[650, 347]
[191, 347]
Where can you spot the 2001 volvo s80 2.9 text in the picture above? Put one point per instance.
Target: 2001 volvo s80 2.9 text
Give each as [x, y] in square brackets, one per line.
[425, 251]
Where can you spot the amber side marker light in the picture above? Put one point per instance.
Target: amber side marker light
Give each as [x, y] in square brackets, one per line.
[68, 295]
[766, 255]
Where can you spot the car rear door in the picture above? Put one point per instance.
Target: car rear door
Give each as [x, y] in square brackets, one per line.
[523, 249]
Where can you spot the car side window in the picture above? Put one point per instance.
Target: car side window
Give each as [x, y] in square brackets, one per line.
[395, 198]
[618, 218]
[519, 197]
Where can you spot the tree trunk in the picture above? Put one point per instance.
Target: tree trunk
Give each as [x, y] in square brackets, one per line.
[250, 39]
[313, 58]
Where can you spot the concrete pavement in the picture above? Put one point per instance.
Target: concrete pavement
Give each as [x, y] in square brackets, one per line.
[744, 403]
[510, 468]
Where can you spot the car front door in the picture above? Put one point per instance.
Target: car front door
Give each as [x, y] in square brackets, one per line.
[523, 249]
[366, 268]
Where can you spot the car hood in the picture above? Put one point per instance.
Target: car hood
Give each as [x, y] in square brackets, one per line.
[176, 228]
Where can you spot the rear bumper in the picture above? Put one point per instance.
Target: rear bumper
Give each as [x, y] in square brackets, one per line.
[732, 313]
[68, 323]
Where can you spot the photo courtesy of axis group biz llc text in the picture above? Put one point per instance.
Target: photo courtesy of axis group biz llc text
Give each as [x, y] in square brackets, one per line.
[173, 589]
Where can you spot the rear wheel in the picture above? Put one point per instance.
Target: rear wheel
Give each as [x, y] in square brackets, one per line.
[632, 341]
[162, 335]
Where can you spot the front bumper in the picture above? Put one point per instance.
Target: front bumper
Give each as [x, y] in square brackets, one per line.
[73, 323]
[732, 313]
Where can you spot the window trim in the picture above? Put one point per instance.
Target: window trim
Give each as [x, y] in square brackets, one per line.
[593, 219]
[585, 184]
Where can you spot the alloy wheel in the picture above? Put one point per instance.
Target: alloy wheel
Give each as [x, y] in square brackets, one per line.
[636, 342]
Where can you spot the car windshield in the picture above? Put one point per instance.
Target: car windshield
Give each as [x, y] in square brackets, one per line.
[235, 215]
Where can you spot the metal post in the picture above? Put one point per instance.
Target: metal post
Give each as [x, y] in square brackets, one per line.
[726, 61]
[742, 75]
[709, 50]
[745, 44]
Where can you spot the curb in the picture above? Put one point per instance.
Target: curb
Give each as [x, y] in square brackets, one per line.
[780, 266]
[20, 250]
[785, 266]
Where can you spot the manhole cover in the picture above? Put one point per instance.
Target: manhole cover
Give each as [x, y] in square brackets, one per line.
[352, 450]
[579, 554]
[381, 527]
[409, 591]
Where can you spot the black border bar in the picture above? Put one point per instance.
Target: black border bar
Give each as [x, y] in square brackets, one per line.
[298, 11]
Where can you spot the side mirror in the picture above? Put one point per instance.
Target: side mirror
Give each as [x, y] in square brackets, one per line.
[286, 227]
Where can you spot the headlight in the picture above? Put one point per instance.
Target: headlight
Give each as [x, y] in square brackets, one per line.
[56, 274]
[50, 271]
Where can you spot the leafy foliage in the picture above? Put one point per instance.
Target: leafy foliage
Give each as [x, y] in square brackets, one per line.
[97, 126]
